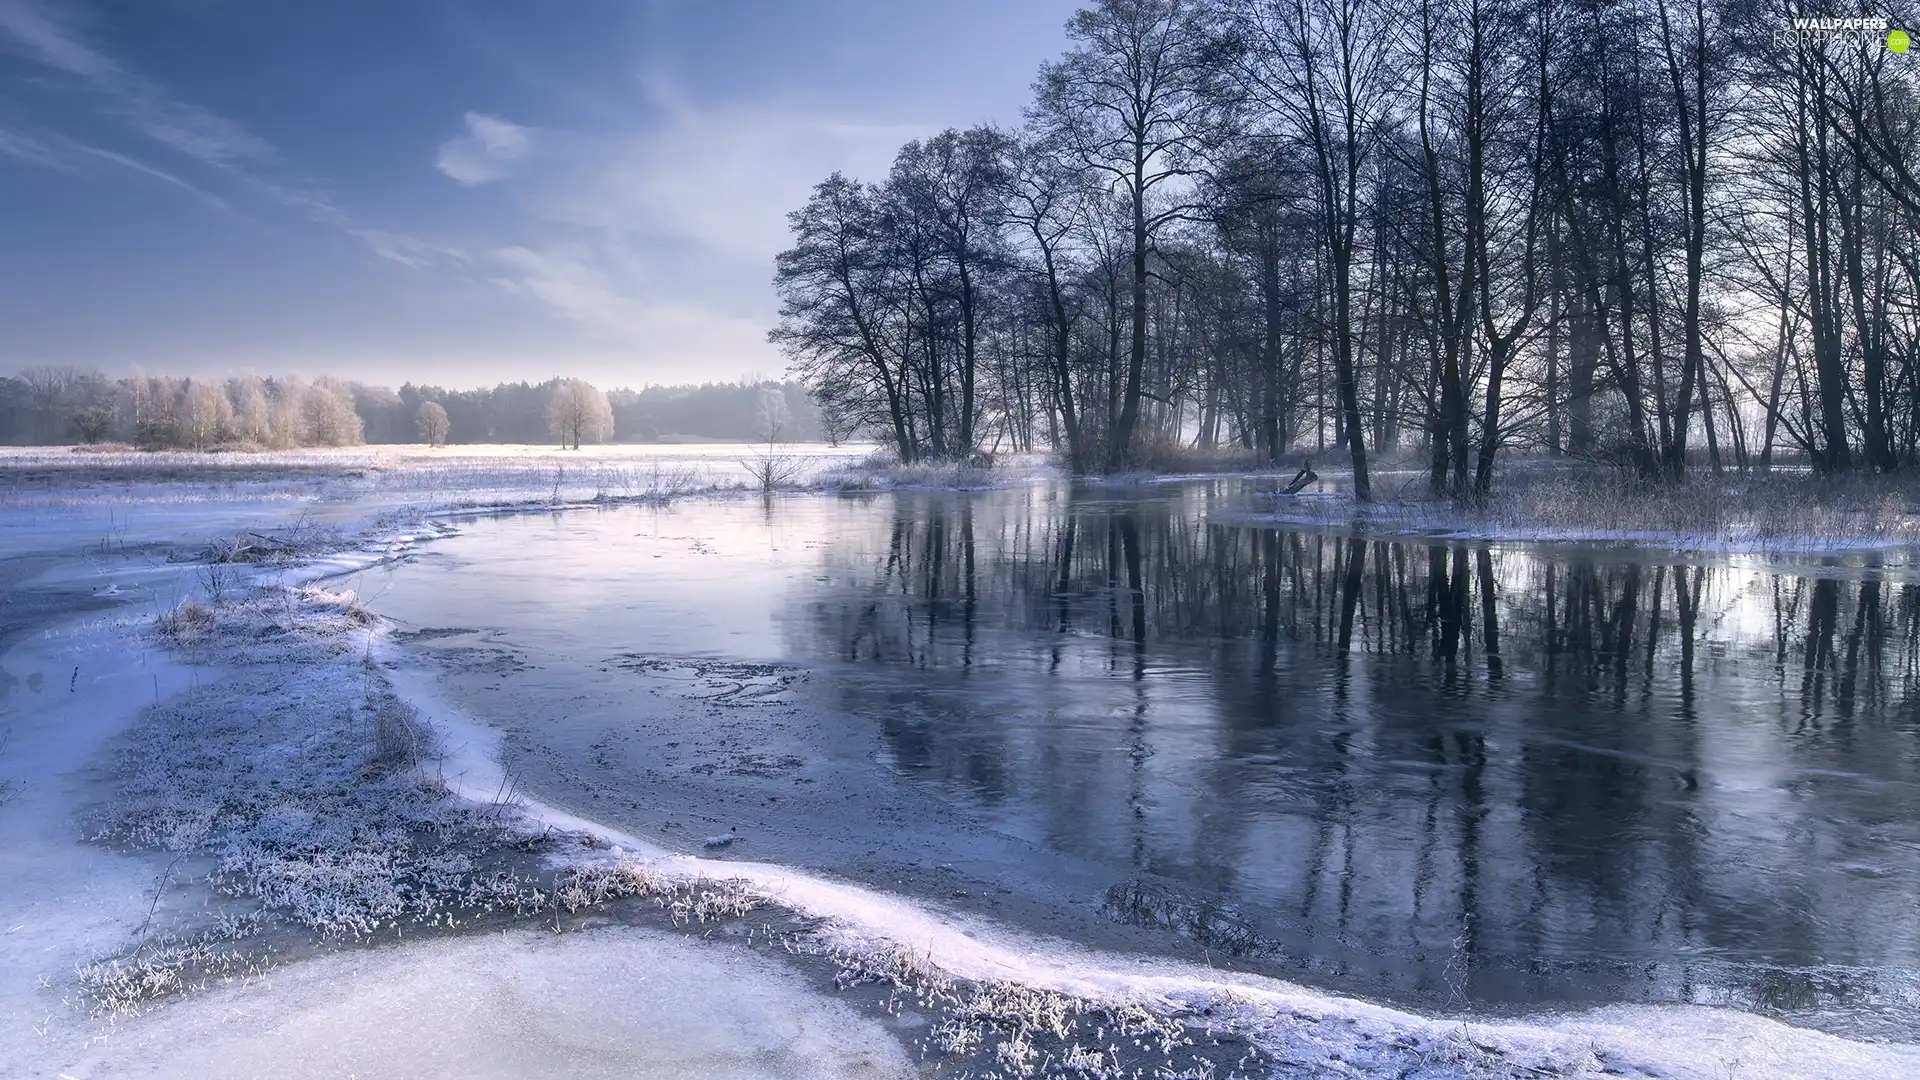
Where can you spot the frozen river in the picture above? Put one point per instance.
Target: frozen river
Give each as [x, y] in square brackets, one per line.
[1507, 777]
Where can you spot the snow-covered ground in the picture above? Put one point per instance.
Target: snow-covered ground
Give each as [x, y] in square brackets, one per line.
[323, 480]
[266, 741]
[1782, 512]
[613, 1002]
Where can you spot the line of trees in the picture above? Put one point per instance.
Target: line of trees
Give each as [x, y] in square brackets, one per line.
[51, 405]
[48, 405]
[1657, 233]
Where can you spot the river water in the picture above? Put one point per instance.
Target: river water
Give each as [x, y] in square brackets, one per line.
[1496, 777]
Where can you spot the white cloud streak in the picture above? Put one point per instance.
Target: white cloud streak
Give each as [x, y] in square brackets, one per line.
[147, 106]
[663, 240]
[661, 331]
[128, 162]
[490, 150]
[724, 181]
[47, 35]
[34, 151]
[67, 155]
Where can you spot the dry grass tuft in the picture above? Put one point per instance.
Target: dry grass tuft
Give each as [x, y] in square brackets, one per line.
[187, 623]
[169, 965]
[884, 472]
[344, 603]
[1005, 1030]
[400, 738]
[698, 901]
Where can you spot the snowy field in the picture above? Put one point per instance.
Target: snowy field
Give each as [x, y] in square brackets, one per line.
[239, 836]
[394, 475]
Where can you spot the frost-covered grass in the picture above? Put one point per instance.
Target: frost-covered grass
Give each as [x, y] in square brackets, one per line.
[285, 773]
[1779, 512]
[882, 471]
[171, 964]
[311, 793]
[473, 476]
[1006, 1030]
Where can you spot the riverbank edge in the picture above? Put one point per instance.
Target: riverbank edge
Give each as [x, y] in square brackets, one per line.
[917, 946]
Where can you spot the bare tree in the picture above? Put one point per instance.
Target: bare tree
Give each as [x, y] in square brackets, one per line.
[94, 423]
[579, 412]
[431, 421]
[1320, 68]
[329, 416]
[1129, 102]
[252, 412]
[840, 312]
[771, 469]
[47, 389]
[206, 415]
[1046, 204]
[956, 183]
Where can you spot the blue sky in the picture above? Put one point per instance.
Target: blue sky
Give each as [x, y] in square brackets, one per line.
[452, 191]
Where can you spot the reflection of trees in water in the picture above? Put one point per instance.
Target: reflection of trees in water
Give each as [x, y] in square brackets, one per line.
[1402, 755]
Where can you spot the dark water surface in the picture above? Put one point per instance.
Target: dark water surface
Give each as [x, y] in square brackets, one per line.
[1466, 775]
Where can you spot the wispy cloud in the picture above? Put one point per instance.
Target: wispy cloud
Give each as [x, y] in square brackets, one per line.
[588, 289]
[407, 250]
[489, 151]
[50, 36]
[661, 239]
[721, 180]
[126, 161]
[42, 34]
[68, 155]
[33, 150]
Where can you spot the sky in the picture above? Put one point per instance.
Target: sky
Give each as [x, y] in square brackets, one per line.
[455, 192]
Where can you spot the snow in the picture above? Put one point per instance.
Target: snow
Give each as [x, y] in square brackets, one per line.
[520, 1003]
[609, 1001]
[324, 481]
[63, 901]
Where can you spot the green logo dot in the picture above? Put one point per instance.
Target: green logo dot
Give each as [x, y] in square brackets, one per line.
[1897, 41]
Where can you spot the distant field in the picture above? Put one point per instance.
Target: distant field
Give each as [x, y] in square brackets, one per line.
[57, 475]
[393, 454]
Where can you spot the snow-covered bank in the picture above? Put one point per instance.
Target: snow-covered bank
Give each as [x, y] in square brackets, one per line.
[394, 475]
[882, 472]
[1781, 513]
[63, 902]
[271, 808]
[612, 1002]
[297, 713]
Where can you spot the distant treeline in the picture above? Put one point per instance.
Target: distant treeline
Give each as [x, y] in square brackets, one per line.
[54, 405]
